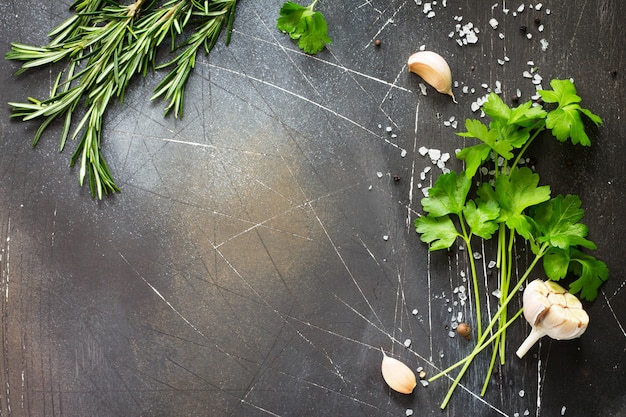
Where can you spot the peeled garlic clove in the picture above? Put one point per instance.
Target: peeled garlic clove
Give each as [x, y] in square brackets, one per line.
[433, 69]
[397, 375]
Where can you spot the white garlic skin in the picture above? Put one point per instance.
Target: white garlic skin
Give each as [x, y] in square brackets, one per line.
[433, 69]
[552, 311]
[397, 375]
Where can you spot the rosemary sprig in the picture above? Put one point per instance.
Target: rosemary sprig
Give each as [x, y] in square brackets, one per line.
[104, 45]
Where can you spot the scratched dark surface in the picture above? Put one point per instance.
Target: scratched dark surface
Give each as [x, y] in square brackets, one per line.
[255, 261]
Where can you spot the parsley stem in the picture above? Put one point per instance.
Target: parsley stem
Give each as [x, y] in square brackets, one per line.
[484, 340]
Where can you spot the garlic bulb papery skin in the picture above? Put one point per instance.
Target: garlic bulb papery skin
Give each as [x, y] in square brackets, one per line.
[433, 69]
[397, 375]
[552, 311]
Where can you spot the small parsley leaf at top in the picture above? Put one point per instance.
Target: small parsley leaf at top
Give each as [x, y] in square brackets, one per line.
[306, 26]
[565, 121]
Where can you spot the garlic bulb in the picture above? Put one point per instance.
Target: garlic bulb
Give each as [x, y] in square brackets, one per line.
[552, 311]
[397, 375]
[434, 69]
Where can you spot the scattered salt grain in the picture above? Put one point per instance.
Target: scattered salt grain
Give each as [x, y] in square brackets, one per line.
[529, 35]
[424, 382]
[527, 74]
[538, 6]
[496, 293]
[471, 37]
[407, 343]
[526, 412]
[451, 334]
[491, 264]
[477, 255]
[520, 8]
[423, 150]
[414, 312]
[403, 153]
[544, 44]
[388, 129]
[494, 23]
[563, 410]
[379, 174]
[385, 237]
[434, 154]
[522, 393]
[408, 412]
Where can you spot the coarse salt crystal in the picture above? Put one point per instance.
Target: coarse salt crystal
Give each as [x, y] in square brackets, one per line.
[529, 35]
[563, 410]
[494, 23]
[538, 6]
[423, 150]
[430, 15]
[403, 153]
[414, 312]
[408, 412]
[544, 44]
[520, 8]
[522, 393]
[422, 87]
[379, 174]
[434, 154]
[527, 74]
[407, 343]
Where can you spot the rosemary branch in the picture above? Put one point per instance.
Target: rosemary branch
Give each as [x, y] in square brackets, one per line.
[104, 45]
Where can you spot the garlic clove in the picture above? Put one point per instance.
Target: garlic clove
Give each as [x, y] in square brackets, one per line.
[397, 375]
[535, 306]
[433, 69]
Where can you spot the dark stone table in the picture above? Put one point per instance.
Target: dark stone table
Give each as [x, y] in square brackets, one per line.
[262, 251]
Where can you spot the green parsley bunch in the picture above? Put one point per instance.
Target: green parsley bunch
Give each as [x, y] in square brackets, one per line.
[509, 204]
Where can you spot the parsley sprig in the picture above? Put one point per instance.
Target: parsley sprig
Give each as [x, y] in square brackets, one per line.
[305, 25]
[510, 204]
[104, 46]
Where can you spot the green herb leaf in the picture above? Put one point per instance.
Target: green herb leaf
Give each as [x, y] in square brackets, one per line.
[592, 273]
[495, 108]
[481, 218]
[565, 121]
[306, 26]
[515, 193]
[438, 232]
[448, 194]
[557, 221]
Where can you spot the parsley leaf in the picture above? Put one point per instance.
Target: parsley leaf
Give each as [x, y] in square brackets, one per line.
[557, 222]
[448, 194]
[306, 26]
[565, 121]
[481, 217]
[592, 273]
[515, 193]
[438, 232]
